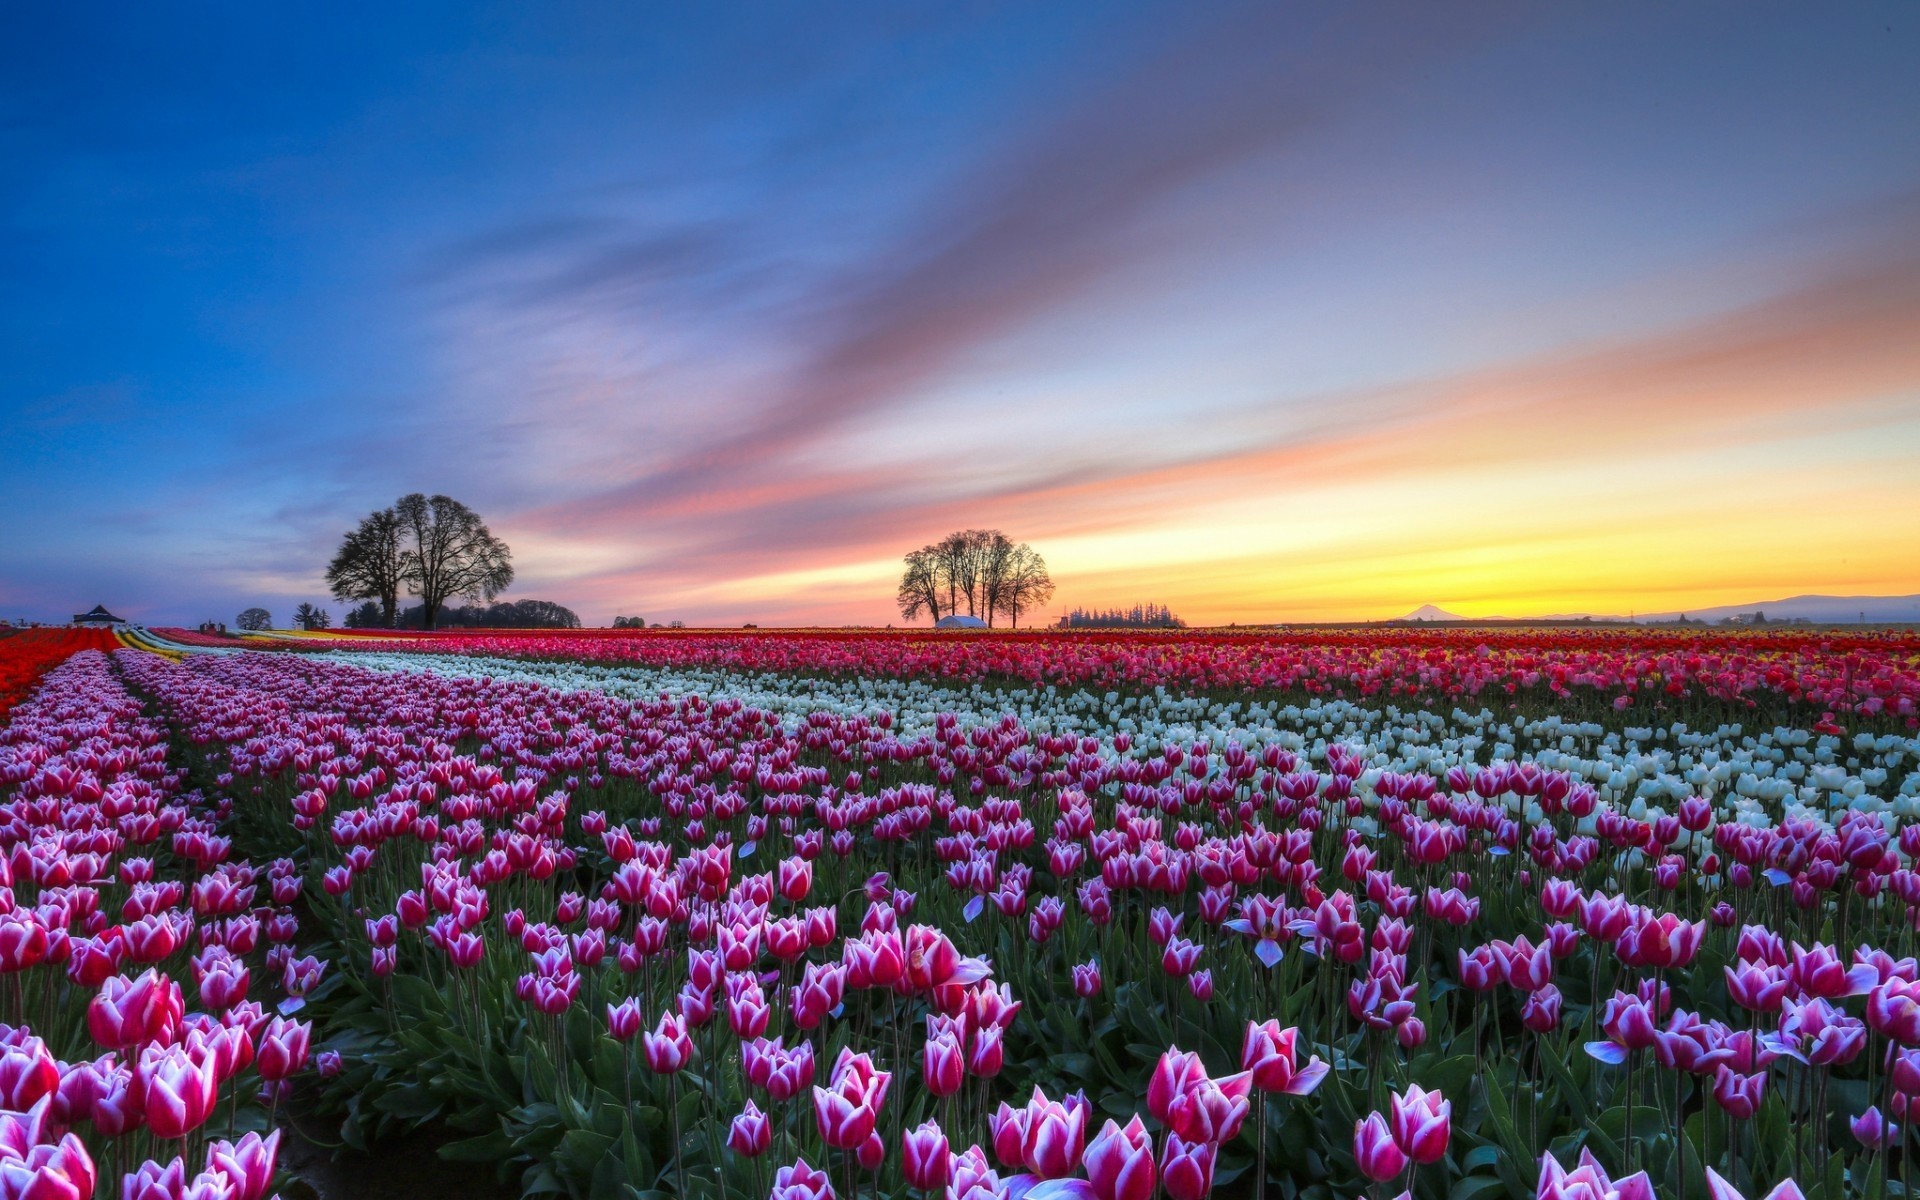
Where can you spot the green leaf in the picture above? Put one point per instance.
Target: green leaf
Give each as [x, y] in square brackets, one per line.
[488, 1147]
[1470, 1186]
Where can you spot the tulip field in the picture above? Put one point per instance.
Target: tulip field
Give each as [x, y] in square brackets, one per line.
[1452, 914]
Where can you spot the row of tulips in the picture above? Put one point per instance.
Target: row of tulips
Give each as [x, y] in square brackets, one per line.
[28, 654]
[1816, 674]
[552, 939]
[121, 898]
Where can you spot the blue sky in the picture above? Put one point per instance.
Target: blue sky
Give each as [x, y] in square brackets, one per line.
[1271, 312]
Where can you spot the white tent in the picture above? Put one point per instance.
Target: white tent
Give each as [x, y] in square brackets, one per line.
[957, 621]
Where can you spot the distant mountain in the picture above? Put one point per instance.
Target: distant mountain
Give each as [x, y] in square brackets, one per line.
[1430, 612]
[1821, 609]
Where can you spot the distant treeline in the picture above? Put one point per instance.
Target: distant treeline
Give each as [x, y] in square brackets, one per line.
[1140, 616]
[503, 614]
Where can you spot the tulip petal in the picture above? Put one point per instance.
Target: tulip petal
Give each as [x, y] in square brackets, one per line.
[1061, 1189]
[1608, 1052]
[1308, 1078]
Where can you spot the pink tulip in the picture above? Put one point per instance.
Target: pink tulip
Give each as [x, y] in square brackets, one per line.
[47, 1170]
[667, 1046]
[176, 1091]
[801, 1182]
[1268, 1055]
[1720, 1189]
[943, 1067]
[283, 1049]
[925, 1159]
[248, 1163]
[1119, 1162]
[1588, 1181]
[750, 1133]
[1379, 1157]
[1422, 1124]
[1186, 1168]
[624, 1020]
[1055, 1136]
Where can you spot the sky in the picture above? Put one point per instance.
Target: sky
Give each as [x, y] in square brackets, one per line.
[1294, 312]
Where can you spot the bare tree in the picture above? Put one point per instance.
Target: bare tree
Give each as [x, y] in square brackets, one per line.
[451, 553]
[1024, 584]
[372, 564]
[920, 584]
[254, 620]
[995, 552]
[985, 568]
[954, 563]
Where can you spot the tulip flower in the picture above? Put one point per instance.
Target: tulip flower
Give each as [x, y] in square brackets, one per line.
[1422, 1124]
[1269, 1057]
[1086, 979]
[667, 1047]
[801, 1182]
[1055, 1136]
[283, 1049]
[1375, 1151]
[47, 1170]
[1210, 1110]
[129, 1012]
[1007, 1130]
[1719, 1189]
[1739, 1094]
[624, 1020]
[1171, 1076]
[943, 1066]
[1873, 1130]
[1893, 1010]
[248, 1164]
[176, 1091]
[1186, 1168]
[751, 1133]
[1588, 1181]
[925, 1159]
[1119, 1162]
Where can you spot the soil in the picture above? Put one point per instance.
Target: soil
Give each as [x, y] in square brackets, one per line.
[401, 1168]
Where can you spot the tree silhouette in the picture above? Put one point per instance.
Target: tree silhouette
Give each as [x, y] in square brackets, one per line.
[372, 563]
[451, 552]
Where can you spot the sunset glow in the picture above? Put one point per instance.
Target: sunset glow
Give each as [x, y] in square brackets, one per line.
[1268, 314]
